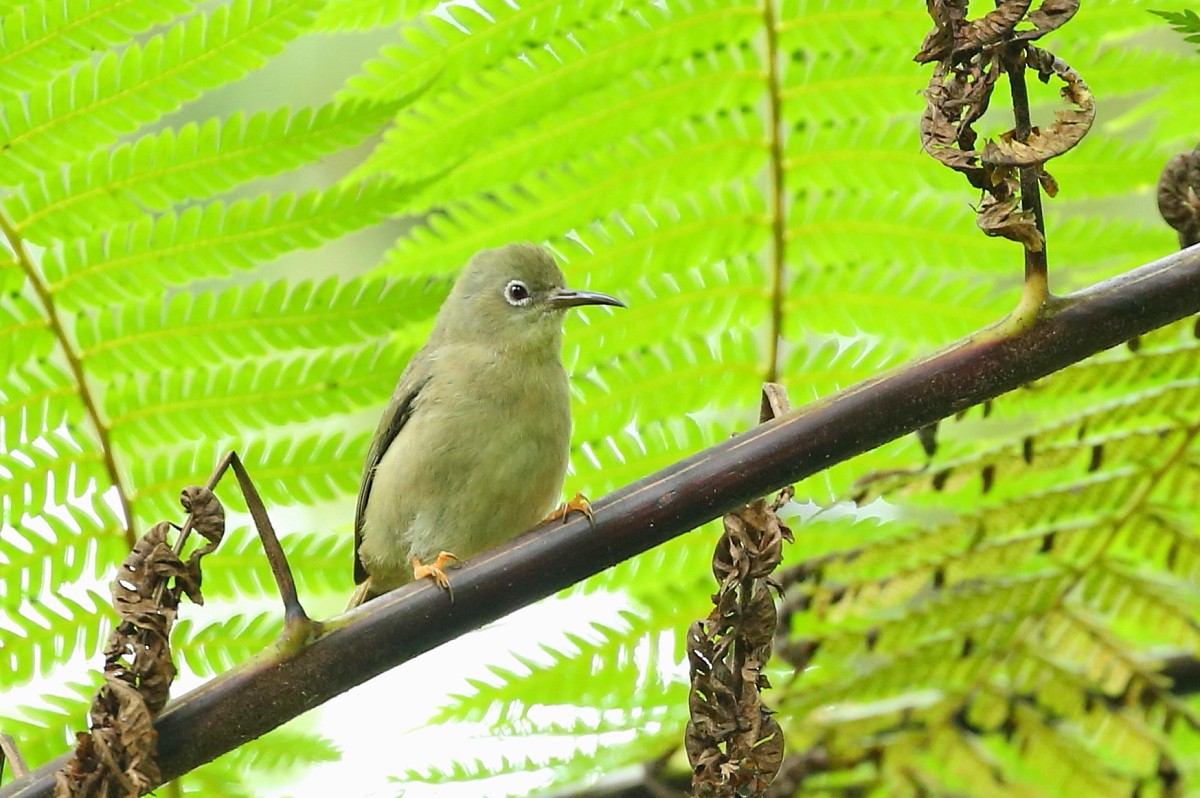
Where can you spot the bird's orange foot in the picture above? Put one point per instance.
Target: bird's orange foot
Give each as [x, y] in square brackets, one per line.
[435, 571]
[579, 504]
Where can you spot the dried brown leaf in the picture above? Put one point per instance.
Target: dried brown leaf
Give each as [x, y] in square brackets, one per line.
[117, 756]
[734, 746]
[1005, 218]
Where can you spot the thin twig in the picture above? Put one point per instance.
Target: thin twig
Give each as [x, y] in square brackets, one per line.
[75, 364]
[12, 755]
[776, 199]
[293, 612]
[1037, 284]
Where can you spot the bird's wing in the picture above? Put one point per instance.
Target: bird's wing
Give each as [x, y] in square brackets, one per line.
[397, 414]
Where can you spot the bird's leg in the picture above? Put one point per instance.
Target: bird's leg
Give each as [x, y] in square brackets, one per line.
[579, 504]
[435, 571]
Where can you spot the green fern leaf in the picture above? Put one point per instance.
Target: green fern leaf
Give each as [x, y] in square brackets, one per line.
[45, 634]
[248, 396]
[465, 39]
[319, 563]
[362, 15]
[40, 40]
[213, 648]
[443, 127]
[209, 241]
[289, 468]
[245, 323]
[198, 161]
[100, 102]
[33, 400]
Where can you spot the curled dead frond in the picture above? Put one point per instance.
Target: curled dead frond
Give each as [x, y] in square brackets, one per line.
[1179, 196]
[971, 55]
[116, 757]
[734, 745]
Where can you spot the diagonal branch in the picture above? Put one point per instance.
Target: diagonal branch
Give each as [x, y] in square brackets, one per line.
[289, 679]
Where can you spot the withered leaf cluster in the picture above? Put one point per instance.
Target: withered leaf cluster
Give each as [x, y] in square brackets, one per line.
[734, 745]
[1179, 196]
[971, 55]
[116, 757]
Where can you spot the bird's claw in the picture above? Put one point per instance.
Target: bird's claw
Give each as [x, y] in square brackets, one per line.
[436, 571]
[579, 504]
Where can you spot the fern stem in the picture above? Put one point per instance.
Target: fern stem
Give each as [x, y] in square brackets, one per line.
[1037, 285]
[75, 364]
[778, 221]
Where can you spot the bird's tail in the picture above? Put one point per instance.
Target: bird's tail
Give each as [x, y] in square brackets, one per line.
[362, 594]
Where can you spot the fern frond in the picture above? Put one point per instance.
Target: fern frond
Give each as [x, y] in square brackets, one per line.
[1154, 609]
[568, 678]
[214, 780]
[35, 399]
[245, 395]
[216, 647]
[621, 457]
[462, 40]
[210, 240]
[824, 89]
[252, 321]
[685, 593]
[44, 728]
[629, 110]
[281, 750]
[1090, 440]
[197, 161]
[463, 771]
[42, 40]
[1115, 373]
[952, 631]
[46, 634]
[100, 102]
[1127, 730]
[831, 232]
[54, 471]
[289, 468]
[1072, 768]
[560, 202]
[320, 563]
[712, 304]
[81, 550]
[24, 333]
[838, 26]
[445, 127]
[1061, 524]
[364, 15]
[598, 754]
[85, 535]
[952, 303]
[654, 383]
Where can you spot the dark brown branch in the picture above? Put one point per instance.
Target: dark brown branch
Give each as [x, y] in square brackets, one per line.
[279, 684]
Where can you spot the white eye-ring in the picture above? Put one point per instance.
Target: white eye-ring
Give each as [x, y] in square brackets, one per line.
[516, 293]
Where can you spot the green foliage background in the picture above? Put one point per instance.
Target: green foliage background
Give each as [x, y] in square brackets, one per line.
[1021, 587]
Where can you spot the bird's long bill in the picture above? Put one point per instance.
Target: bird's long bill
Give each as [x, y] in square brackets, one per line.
[567, 298]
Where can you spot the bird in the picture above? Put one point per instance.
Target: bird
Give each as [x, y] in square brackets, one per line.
[472, 448]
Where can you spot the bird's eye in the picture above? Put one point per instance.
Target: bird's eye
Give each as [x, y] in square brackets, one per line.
[517, 293]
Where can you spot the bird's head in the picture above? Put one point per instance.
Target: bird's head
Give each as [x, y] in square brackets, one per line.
[514, 296]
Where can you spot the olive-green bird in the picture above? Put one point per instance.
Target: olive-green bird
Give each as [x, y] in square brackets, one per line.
[472, 448]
